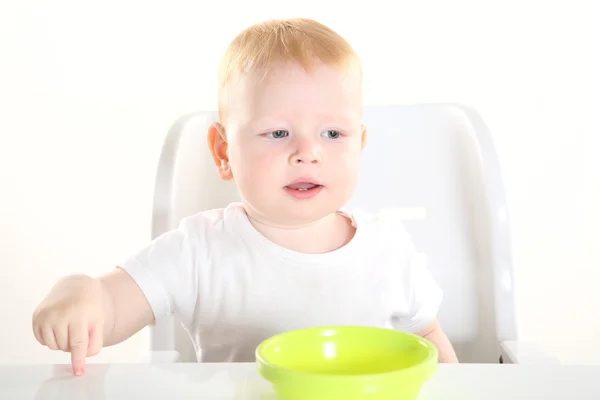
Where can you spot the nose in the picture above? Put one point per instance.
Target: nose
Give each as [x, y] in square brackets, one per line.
[306, 151]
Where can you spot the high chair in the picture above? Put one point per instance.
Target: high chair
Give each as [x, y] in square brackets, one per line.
[434, 163]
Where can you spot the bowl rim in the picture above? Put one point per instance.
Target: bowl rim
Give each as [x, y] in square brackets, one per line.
[429, 362]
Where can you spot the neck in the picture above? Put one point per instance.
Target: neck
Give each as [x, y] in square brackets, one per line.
[324, 235]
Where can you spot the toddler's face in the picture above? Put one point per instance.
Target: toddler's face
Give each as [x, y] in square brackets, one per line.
[294, 141]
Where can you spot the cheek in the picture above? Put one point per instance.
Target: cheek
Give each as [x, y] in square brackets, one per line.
[250, 162]
[349, 163]
[349, 157]
[264, 161]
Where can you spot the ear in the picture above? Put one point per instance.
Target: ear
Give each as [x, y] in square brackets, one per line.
[364, 137]
[217, 144]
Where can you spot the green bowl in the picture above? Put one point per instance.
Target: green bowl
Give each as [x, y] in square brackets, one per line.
[346, 363]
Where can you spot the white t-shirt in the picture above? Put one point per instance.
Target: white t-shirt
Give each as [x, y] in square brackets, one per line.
[232, 288]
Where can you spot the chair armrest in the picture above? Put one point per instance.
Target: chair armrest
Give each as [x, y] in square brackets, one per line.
[520, 352]
[160, 357]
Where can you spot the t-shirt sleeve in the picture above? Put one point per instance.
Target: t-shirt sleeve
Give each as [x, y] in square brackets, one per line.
[418, 296]
[164, 271]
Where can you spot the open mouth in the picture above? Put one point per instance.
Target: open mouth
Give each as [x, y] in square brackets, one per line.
[303, 190]
[302, 186]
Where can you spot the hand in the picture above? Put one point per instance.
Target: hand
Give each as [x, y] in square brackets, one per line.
[71, 319]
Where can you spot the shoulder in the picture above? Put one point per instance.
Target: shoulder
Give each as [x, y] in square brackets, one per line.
[215, 220]
[204, 230]
[386, 226]
[412, 291]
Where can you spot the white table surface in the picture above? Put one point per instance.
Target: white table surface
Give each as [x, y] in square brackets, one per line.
[241, 382]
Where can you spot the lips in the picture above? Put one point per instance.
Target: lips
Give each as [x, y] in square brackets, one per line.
[303, 183]
[303, 188]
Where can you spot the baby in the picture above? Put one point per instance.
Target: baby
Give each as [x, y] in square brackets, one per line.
[289, 255]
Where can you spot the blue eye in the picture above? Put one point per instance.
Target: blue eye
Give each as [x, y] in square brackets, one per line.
[280, 134]
[331, 134]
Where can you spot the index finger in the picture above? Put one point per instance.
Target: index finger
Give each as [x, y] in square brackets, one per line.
[78, 343]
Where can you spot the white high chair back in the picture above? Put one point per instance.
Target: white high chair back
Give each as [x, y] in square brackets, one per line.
[437, 163]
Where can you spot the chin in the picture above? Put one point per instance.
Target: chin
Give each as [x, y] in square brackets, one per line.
[307, 212]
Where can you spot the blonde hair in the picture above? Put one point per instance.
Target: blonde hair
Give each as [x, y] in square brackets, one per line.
[301, 40]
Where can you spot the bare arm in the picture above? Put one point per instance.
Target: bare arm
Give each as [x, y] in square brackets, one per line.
[126, 309]
[434, 333]
[82, 314]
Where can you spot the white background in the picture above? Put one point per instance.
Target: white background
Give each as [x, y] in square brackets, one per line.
[88, 90]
